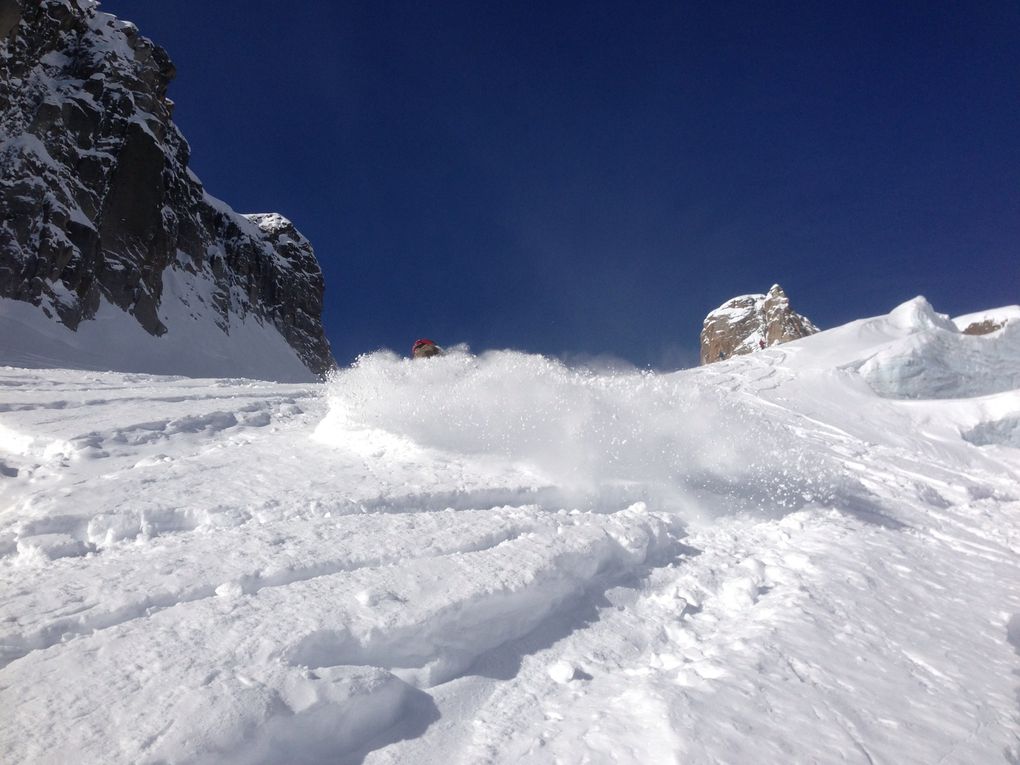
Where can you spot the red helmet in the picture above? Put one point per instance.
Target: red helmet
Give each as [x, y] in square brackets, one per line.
[424, 348]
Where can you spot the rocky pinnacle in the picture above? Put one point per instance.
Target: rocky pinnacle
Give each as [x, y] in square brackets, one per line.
[750, 323]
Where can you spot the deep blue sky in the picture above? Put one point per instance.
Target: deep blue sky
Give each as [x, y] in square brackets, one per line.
[595, 177]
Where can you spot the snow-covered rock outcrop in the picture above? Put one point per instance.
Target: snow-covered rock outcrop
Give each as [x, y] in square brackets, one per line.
[99, 210]
[749, 323]
[985, 322]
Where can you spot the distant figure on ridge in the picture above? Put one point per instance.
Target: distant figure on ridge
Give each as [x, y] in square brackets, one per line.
[425, 348]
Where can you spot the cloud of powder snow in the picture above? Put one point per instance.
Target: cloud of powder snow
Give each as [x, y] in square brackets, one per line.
[593, 431]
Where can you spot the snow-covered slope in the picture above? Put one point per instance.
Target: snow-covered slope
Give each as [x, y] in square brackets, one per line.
[915, 352]
[195, 346]
[777, 558]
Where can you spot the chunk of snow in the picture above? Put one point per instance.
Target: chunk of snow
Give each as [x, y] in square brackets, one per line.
[562, 671]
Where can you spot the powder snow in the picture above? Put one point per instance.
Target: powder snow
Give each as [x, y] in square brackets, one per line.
[807, 554]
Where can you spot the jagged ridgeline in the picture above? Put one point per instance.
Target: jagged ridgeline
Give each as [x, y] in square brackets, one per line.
[97, 204]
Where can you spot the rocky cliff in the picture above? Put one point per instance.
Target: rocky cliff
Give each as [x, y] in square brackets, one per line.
[97, 204]
[749, 323]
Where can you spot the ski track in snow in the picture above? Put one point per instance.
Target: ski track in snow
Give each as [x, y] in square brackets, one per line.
[761, 560]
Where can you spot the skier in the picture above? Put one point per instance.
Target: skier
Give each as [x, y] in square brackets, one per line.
[425, 348]
[761, 344]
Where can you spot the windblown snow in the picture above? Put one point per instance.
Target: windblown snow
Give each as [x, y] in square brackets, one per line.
[807, 554]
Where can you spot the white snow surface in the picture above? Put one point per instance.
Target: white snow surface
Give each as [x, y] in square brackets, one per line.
[194, 344]
[808, 554]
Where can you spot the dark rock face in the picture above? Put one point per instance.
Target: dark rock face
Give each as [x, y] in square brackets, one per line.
[749, 323]
[97, 203]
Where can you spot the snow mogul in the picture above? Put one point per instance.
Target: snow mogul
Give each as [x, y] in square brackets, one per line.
[425, 349]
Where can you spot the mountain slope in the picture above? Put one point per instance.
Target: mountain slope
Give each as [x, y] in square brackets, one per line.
[765, 559]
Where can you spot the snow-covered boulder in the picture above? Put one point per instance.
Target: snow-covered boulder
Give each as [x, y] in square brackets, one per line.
[99, 211]
[750, 322]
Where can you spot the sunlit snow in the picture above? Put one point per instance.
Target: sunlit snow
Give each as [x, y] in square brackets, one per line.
[806, 554]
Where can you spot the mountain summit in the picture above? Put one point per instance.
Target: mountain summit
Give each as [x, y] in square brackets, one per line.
[100, 218]
[749, 323]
